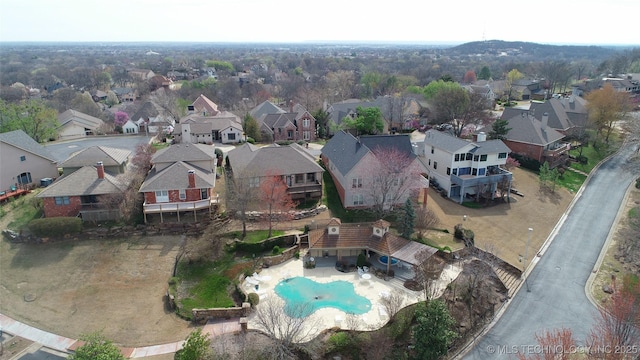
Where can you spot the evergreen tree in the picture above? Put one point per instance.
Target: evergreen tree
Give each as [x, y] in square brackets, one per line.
[485, 73]
[408, 219]
[251, 128]
[433, 330]
[196, 347]
[499, 129]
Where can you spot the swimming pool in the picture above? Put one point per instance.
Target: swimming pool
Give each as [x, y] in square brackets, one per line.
[340, 295]
[383, 260]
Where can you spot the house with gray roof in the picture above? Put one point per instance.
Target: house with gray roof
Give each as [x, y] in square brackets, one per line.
[74, 125]
[298, 168]
[462, 169]
[397, 112]
[535, 139]
[153, 118]
[355, 163]
[224, 127]
[182, 180]
[89, 192]
[114, 160]
[265, 108]
[24, 161]
[277, 124]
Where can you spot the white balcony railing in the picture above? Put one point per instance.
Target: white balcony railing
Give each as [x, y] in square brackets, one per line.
[179, 206]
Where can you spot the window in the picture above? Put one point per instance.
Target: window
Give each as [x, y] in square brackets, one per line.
[24, 178]
[61, 200]
[162, 196]
[502, 155]
[231, 136]
[432, 148]
[305, 123]
[183, 194]
[483, 157]
[356, 183]
[306, 135]
[474, 171]
[455, 171]
[435, 164]
[358, 199]
[482, 171]
[476, 157]
[469, 156]
[299, 178]
[290, 134]
[311, 177]
[448, 171]
[457, 157]
[429, 162]
[254, 182]
[23, 158]
[204, 193]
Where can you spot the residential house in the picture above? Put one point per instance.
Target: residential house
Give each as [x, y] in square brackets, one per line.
[74, 125]
[114, 161]
[98, 95]
[535, 139]
[626, 83]
[125, 94]
[160, 82]
[485, 91]
[140, 74]
[463, 168]
[350, 240]
[354, 167]
[203, 106]
[397, 112]
[154, 119]
[295, 125]
[90, 192]
[225, 127]
[265, 108]
[130, 127]
[24, 161]
[299, 170]
[527, 89]
[182, 179]
[566, 115]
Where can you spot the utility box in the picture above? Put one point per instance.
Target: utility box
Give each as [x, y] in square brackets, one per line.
[46, 182]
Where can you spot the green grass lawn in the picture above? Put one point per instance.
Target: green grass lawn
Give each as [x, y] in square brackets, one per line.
[210, 287]
[23, 209]
[332, 200]
[571, 180]
[254, 236]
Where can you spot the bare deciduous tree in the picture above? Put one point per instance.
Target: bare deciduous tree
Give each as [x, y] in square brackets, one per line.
[425, 219]
[392, 303]
[241, 193]
[427, 272]
[558, 344]
[289, 325]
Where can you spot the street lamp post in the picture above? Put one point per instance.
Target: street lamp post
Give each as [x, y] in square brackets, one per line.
[526, 257]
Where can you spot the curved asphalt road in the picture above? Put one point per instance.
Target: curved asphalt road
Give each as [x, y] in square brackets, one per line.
[557, 283]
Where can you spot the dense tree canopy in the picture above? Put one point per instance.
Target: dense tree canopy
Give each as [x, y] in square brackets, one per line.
[368, 122]
[433, 330]
[606, 106]
[33, 117]
[96, 347]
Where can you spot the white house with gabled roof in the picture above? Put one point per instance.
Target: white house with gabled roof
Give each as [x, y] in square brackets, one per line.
[463, 168]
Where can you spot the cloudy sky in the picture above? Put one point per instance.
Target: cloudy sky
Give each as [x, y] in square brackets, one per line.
[594, 22]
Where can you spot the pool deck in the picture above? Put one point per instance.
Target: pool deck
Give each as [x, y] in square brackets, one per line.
[373, 289]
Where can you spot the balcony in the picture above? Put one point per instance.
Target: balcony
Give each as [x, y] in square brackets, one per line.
[557, 149]
[298, 191]
[179, 206]
[496, 176]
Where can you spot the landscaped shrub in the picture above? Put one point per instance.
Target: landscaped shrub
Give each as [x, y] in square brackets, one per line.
[296, 254]
[527, 163]
[362, 260]
[582, 159]
[56, 226]
[463, 234]
[339, 342]
[276, 250]
[266, 245]
[253, 299]
[251, 140]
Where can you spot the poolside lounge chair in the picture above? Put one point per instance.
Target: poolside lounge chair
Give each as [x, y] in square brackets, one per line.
[251, 280]
[382, 311]
[261, 278]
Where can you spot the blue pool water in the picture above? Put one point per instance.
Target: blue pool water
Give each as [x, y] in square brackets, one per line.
[340, 295]
[383, 259]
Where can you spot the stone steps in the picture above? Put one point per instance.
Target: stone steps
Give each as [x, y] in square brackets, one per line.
[509, 279]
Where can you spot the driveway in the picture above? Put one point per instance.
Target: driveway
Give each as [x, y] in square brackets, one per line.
[557, 298]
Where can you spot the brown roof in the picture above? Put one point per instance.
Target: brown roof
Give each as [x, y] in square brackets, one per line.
[360, 236]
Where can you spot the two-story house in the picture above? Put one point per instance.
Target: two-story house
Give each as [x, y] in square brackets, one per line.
[24, 161]
[463, 168]
[182, 179]
[224, 127]
[536, 140]
[279, 125]
[299, 170]
[374, 171]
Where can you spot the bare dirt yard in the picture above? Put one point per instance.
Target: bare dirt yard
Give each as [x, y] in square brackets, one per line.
[117, 286]
[75, 287]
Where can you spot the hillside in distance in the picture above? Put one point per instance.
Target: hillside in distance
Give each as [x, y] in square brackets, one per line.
[521, 48]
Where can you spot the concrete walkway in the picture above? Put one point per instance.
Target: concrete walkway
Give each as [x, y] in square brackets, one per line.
[63, 344]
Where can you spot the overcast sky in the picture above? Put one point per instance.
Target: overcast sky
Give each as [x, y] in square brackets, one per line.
[594, 22]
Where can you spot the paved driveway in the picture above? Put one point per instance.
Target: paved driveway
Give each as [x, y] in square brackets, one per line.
[557, 297]
[60, 150]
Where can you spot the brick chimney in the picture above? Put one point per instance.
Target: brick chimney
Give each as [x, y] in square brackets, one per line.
[100, 168]
[290, 106]
[192, 178]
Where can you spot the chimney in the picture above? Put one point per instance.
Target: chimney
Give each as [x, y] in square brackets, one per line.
[482, 136]
[100, 168]
[290, 106]
[192, 178]
[545, 121]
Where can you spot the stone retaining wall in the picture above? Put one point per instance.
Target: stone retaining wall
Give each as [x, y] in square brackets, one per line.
[201, 316]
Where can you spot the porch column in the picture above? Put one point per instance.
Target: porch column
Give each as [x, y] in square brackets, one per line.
[461, 194]
[161, 219]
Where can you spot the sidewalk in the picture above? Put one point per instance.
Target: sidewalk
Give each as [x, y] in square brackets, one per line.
[63, 344]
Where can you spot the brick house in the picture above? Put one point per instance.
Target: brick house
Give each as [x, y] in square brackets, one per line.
[181, 180]
[85, 190]
[278, 125]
